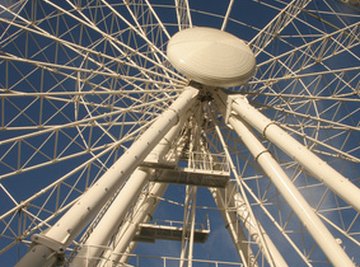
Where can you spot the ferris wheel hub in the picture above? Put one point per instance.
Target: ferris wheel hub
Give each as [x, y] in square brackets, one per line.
[211, 57]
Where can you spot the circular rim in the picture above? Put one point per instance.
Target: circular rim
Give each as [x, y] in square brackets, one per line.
[75, 95]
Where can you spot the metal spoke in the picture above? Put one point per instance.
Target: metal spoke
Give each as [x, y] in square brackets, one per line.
[277, 24]
[87, 91]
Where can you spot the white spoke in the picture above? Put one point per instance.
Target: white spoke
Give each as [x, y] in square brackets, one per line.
[82, 83]
[275, 26]
[183, 14]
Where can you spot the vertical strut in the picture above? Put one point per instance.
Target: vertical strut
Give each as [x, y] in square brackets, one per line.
[60, 235]
[187, 239]
[192, 225]
[141, 213]
[234, 227]
[183, 14]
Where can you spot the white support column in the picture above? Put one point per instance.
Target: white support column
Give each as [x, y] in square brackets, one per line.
[293, 197]
[187, 239]
[245, 212]
[192, 231]
[318, 168]
[99, 238]
[123, 240]
[125, 256]
[113, 217]
[128, 230]
[60, 235]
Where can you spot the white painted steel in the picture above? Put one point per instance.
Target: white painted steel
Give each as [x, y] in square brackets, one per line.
[114, 216]
[211, 57]
[293, 197]
[187, 238]
[226, 18]
[72, 222]
[275, 256]
[183, 14]
[277, 24]
[226, 202]
[234, 227]
[81, 81]
[192, 226]
[244, 209]
[123, 240]
[142, 214]
[318, 168]
[87, 256]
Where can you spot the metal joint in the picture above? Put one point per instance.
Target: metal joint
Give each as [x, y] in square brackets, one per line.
[48, 242]
[267, 126]
[177, 114]
[261, 153]
[229, 102]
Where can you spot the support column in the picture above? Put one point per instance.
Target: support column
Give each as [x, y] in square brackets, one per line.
[192, 231]
[59, 236]
[318, 168]
[114, 216]
[142, 212]
[243, 209]
[99, 238]
[234, 228]
[292, 196]
[187, 239]
[129, 229]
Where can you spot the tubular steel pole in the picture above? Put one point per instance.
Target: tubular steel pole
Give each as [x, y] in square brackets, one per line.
[113, 217]
[143, 214]
[318, 168]
[293, 197]
[226, 202]
[123, 241]
[60, 235]
[243, 210]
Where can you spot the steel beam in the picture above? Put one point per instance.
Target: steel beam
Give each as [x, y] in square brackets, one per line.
[85, 209]
[233, 226]
[292, 196]
[244, 211]
[130, 227]
[273, 29]
[114, 216]
[317, 168]
[231, 198]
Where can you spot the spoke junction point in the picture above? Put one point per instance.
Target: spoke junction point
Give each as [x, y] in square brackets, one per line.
[211, 59]
[215, 58]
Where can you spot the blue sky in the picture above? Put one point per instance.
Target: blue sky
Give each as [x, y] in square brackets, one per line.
[37, 135]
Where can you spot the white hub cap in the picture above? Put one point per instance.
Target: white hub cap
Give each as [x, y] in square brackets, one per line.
[211, 57]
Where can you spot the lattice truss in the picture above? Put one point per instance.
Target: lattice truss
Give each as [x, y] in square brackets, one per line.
[81, 81]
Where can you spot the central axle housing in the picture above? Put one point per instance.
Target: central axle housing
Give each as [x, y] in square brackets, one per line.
[211, 57]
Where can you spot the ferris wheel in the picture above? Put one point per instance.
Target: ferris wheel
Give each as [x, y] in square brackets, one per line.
[179, 133]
